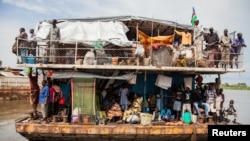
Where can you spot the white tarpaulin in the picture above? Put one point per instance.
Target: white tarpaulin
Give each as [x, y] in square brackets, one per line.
[164, 82]
[74, 74]
[87, 32]
[188, 82]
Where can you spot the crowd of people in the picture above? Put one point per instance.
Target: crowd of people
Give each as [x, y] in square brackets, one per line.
[205, 101]
[49, 97]
[208, 49]
[27, 46]
[120, 103]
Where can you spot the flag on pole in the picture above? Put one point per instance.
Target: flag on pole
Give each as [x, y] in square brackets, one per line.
[194, 17]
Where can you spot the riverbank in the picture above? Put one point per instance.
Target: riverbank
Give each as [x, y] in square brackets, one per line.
[235, 88]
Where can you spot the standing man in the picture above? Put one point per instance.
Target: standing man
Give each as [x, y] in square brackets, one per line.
[212, 40]
[178, 102]
[186, 100]
[186, 38]
[198, 40]
[210, 93]
[54, 38]
[34, 91]
[23, 44]
[123, 93]
[225, 42]
[33, 42]
[238, 43]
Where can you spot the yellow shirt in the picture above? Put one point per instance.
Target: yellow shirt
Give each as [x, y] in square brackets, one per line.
[186, 37]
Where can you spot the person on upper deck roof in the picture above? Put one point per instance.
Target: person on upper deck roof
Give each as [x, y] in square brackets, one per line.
[23, 44]
[212, 40]
[186, 40]
[54, 37]
[238, 43]
[33, 42]
[225, 42]
[198, 39]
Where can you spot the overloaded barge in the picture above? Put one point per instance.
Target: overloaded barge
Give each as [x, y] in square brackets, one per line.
[95, 53]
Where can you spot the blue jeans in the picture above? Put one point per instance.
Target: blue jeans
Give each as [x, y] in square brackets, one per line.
[203, 105]
[24, 54]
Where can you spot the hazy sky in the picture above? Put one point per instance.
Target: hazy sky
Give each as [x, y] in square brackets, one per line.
[220, 14]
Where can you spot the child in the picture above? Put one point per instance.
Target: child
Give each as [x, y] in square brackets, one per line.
[230, 110]
[156, 115]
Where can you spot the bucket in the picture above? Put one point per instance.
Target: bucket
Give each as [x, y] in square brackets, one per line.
[194, 118]
[115, 60]
[189, 54]
[30, 60]
[146, 61]
[146, 118]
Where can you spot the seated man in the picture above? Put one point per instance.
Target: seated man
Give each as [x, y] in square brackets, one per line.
[114, 111]
[166, 114]
[197, 102]
[230, 110]
[135, 108]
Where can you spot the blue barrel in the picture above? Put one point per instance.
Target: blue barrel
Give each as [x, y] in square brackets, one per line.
[30, 60]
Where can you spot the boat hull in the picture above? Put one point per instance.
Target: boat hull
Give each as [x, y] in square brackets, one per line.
[124, 132]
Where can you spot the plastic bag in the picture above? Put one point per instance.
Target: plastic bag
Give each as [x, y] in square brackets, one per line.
[61, 101]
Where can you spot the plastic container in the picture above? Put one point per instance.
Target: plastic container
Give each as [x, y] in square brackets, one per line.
[146, 118]
[30, 59]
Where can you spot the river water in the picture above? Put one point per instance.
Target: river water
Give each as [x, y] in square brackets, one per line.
[12, 110]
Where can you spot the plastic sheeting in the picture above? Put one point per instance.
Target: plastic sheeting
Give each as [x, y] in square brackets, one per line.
[87, 32]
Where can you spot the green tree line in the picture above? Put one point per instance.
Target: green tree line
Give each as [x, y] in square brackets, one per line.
[238, 86]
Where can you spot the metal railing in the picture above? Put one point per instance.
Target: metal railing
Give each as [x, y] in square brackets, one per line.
[75, 54]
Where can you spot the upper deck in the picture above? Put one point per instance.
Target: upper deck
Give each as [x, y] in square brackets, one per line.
[115, 41]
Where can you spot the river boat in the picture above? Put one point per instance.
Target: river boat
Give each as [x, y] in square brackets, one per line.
[137, 50]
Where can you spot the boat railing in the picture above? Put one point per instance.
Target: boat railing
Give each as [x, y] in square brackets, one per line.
[76, 54]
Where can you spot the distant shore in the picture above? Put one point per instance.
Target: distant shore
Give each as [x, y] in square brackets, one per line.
[239, 86]
[235, 88]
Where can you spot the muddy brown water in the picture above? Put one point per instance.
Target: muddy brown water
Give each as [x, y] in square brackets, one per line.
[9, 112]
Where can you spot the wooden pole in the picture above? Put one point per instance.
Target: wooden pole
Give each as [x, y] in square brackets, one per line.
[152, 30]
[174, 34]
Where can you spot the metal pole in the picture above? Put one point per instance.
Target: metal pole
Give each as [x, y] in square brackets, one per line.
[145, 90]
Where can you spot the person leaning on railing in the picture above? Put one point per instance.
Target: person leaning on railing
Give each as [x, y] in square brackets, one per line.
[238, 43]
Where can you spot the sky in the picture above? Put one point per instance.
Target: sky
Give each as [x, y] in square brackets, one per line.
[219, 14]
